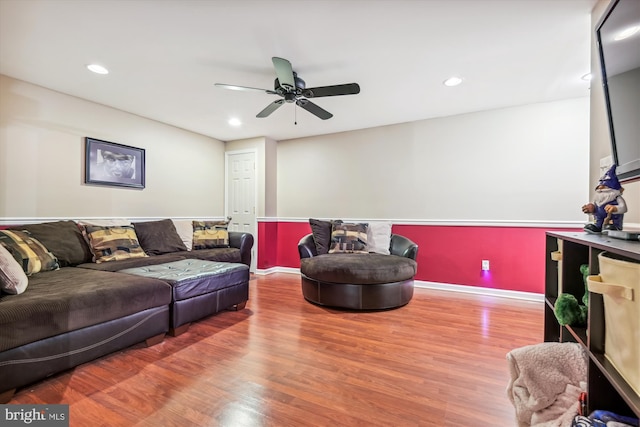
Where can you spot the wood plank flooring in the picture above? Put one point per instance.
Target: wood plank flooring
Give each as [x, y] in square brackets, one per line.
[438, 361]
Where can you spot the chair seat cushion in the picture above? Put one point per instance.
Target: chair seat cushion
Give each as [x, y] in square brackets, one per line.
[358, 268]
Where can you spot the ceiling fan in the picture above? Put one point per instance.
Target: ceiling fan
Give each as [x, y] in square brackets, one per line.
[291, 88]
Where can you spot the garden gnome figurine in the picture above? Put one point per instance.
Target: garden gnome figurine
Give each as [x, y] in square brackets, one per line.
[607, 206]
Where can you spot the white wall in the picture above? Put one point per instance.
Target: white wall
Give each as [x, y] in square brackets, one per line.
[526, 163]
[42, 160]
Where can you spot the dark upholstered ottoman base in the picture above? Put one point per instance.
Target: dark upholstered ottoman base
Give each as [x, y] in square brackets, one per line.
[186, 311]
[358, 281]
[358, 297]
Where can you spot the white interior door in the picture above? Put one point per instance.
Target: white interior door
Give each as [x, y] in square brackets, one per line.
[241, 195]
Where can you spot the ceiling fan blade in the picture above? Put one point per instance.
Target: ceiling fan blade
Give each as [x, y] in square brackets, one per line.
[314, 109]
[244, 88]
[270, 108]
[345, 89]
[284, 72]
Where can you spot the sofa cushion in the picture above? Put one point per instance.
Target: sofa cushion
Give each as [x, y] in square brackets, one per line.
[358, 268]
[348, 238]
[13, 279]
[210, 234]
[113, 243]
[321, 231]
[159, 237]
[63, 239]
[32, 255]
[133, 262]
[72, 298]
[216, 254]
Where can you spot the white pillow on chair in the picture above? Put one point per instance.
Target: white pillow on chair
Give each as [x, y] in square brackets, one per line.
[379, 237]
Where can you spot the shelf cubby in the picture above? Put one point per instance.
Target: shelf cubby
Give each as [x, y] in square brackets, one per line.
[565, 253]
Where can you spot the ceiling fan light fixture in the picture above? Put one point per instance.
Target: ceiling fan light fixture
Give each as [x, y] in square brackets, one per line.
[452, 81]
[234, 121]
[292, 90]
[97, 68]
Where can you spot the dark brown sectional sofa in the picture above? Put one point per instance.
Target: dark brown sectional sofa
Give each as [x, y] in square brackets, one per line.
[86, 310]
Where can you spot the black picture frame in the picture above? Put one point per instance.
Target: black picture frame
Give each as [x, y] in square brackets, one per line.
[115, 165]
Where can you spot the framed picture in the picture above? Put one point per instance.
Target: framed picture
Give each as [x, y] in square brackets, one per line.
[108, 163]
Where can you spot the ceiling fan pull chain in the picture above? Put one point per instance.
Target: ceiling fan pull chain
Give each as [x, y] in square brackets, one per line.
[295, 114]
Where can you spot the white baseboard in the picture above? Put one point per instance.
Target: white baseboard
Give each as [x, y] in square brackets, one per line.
[501, 293]
[289, 270]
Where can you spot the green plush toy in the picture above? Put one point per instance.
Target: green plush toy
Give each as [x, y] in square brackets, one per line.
[567, 309]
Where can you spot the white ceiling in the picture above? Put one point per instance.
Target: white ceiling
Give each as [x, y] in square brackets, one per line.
[164, 57]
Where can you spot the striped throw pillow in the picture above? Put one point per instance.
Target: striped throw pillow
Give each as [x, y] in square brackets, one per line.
[113, 243]
[348, 238]
[210, 234]
[32, 256]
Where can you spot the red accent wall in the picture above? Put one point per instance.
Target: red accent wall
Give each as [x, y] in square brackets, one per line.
[278, 243]
[446, 254]
[449, 254]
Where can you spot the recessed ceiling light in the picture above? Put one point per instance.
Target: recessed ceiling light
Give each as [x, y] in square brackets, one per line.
[625, 34]
[234, 121]
[587, 77]
[452, 81]
[98, 69]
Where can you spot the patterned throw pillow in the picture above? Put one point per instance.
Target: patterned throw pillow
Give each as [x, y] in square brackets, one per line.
[32, 256]
[113, 243]
[349, 238]
[210, 234]
[12, 277]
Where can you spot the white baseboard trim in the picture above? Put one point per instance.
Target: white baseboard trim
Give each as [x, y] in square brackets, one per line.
[501, 293]
[272, 270]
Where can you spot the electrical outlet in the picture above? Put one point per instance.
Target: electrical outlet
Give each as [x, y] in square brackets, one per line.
[485, 265]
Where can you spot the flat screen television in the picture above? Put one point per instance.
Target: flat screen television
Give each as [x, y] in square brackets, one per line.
[618, 37]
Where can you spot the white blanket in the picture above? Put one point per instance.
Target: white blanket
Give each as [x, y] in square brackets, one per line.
[546, 382]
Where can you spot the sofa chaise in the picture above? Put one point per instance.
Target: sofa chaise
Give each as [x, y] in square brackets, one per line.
[81, 309]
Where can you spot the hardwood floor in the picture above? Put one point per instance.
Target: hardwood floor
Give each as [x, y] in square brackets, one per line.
[438, 361]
